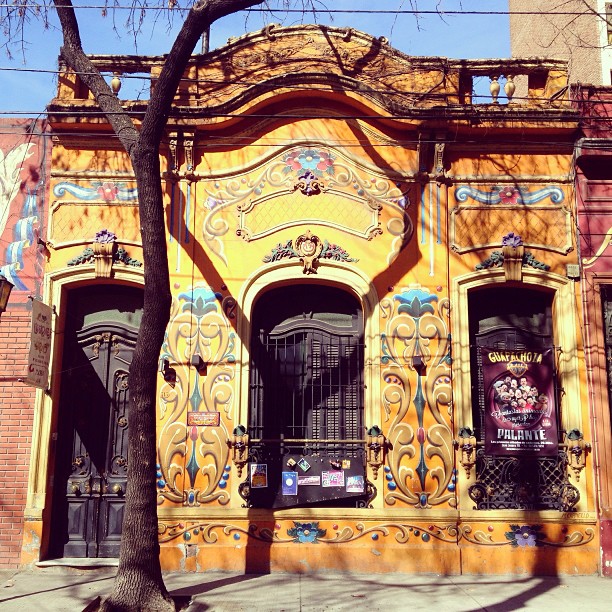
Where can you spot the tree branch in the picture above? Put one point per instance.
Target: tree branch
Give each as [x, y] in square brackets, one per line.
[200, 17]
[74, 56]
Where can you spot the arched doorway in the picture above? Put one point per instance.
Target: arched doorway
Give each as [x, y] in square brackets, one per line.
[306, 400]
[101, 327]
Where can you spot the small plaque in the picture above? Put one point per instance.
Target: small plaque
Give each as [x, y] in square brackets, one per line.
[346, 464]
[291, 462]
[203, 419]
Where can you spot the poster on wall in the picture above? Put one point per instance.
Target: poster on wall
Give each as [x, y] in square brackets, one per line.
[520, 414]
[259, 475]
[290, 483]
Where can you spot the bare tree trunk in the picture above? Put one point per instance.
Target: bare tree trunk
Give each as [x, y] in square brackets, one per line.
[139, 584]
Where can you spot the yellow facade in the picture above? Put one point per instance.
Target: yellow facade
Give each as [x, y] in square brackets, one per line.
[412, 184]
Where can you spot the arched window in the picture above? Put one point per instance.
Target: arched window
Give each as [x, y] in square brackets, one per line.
[306, 397]
[515, 402]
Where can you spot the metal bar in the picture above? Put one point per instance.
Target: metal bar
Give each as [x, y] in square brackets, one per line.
[480, 443]
[301, 440]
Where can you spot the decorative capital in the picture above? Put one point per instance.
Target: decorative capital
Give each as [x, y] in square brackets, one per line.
[513, 262]
[466, 444]
[103, 257]
[513, 258]
[239, 448]
[103, 253]
[375, 449]
[577, 450]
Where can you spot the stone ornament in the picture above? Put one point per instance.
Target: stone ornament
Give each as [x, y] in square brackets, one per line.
[308, 247]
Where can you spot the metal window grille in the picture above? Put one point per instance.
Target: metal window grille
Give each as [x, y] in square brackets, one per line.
[306, 378]
[517, 319]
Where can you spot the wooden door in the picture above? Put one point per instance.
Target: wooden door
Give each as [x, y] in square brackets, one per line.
[93, 423]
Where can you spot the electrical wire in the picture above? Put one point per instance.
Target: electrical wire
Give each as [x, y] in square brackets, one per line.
[305, 11]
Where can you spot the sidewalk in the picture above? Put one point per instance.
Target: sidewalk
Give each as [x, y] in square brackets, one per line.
[55, 589]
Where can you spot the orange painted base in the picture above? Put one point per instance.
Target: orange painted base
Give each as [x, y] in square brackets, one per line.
[307, 558]
[267, 547]
[311, 558]
[363, 548]
[32, 538]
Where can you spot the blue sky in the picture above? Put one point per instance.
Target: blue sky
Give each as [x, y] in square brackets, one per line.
[24, 90]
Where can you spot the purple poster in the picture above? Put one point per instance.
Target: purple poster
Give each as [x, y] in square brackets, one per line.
[520, 415]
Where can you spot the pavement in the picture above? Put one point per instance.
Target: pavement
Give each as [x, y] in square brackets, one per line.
[53, 589]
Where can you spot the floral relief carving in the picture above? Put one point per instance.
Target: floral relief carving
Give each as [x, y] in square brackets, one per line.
[355, 196]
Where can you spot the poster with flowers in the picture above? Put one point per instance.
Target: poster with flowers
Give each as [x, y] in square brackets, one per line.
[520, 415]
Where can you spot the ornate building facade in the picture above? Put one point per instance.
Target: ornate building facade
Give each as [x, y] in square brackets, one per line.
[374, 360]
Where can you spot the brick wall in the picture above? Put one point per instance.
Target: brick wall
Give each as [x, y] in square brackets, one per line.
[570, 37]
[16, 418]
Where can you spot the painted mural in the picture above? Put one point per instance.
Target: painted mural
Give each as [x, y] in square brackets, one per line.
[23, 185]
[417, 399]
[193, 459]
[355, 194]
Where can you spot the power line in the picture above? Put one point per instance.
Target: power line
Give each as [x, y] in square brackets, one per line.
[306, 11]
[246, 141]
[479, 110]
[277, 82]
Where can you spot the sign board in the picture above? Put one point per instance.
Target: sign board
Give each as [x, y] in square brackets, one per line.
[203, 419]
[37, 369]
[520, 415]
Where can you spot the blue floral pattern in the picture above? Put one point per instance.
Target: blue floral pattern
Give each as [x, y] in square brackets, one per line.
[306, 532]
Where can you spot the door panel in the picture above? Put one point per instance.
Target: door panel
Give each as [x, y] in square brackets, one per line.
[93, 425]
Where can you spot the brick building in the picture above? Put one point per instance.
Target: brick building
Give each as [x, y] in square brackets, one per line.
[24, 173]
[594, 197]
[580, 34]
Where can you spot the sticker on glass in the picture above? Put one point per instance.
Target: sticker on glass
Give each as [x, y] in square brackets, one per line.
[290, 483]
[355, 484]
[333, 479]
[259, 475]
